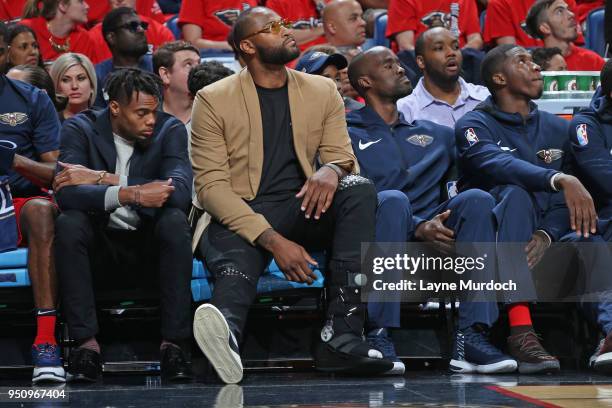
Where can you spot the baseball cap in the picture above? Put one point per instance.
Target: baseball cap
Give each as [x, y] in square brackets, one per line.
[315, 62]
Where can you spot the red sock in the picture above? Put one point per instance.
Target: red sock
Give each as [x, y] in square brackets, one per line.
[519, 315]
[45, 329]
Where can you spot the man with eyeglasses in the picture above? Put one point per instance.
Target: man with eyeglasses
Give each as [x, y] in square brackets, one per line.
[256, 138]
[157, 34]
[124, 33]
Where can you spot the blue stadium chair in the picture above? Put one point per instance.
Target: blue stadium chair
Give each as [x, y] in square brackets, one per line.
[594, 36]
[483, 19]
[172, 25]
[380, 27]
[13, 269]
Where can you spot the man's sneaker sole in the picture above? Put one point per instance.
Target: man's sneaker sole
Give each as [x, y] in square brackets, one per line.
[464, 367]
[213, 336]
[603, 363]
[545, 367]
[49, 374]
[398, 369]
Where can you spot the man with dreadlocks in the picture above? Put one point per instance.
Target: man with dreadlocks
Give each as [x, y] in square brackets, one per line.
[123, 185]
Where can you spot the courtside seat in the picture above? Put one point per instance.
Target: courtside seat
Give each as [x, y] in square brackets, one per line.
[272, 280]
[595, 35]
[13, 268]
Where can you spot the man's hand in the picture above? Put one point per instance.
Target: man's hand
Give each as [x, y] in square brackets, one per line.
[318, 192]
[74, 175]
[154, 194]
[583, 218]
[434, 231]
[536, 247]
[291, 258]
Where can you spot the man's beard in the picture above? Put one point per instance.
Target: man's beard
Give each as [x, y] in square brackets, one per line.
[277, 56]
[135, 50]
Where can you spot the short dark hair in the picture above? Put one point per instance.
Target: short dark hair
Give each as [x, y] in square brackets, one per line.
[205, 74]
[111, 20]
[535, 17]
[542, 56]
[492, 63]
[241, 28]
[40, 78]
[357, 69]
[122, 83]
[164, 55]
[419, 44]
[606, 78]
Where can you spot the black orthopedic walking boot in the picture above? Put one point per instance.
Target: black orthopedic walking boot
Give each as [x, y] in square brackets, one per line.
[343, 347]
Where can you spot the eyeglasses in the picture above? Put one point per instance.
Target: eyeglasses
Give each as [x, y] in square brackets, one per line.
[133, 26]
[273, 27]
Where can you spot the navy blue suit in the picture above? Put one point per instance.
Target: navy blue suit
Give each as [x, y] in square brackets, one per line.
[88, 250]
[409, 164]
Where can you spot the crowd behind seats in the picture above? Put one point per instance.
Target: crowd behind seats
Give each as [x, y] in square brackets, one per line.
[107, 67]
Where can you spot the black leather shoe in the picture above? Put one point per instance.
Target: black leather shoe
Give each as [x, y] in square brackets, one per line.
[85, 365]
[174, 365]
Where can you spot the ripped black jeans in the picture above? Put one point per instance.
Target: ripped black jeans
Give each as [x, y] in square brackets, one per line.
[237, 265]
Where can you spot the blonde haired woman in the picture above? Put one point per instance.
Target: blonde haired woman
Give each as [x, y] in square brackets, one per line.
[74, 77]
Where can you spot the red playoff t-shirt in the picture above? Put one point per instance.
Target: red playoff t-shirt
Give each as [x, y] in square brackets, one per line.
[581, 59]
[215, 17]
[157, 34]
[79, 40]
[299, 12]
[507, 18]
[418, 16]
[100, 8]
[11, 9]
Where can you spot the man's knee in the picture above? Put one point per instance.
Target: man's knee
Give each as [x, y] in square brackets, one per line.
[393, 200]
[355, 187]
[72, 226]
[475, 201]
[515, 196]
[37, 220]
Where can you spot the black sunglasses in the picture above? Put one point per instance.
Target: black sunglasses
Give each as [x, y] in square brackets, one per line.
[133, 26]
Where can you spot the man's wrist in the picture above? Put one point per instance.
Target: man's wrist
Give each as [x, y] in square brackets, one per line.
[268, 239]
[339, 172]
[129, 195]
[555, 181]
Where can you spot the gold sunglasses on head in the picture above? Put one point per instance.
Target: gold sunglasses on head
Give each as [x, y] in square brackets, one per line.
[273, 27]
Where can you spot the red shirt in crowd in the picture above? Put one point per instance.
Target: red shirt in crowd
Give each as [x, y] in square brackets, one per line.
[581, 59]
[214, 17]
[157, 34]
[148, 8]
[418, 16]
[507, 17]
[584, 7]
[78, 41]
[300, 12]
[11, 9]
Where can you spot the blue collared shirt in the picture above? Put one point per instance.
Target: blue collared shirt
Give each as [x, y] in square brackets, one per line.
[421, 105]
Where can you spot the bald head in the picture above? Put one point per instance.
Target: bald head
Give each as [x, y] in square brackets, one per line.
[378, 71]
[343, 23]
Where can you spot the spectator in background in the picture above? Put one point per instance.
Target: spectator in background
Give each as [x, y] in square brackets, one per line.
[58, 27]
[124, 34]
[23, 46]
[157, 34]
[553, 22]
[505, 23]
[40, 78]
[407, 19]
[330, 64]
[29, 120]
[74, 76]
[173, 62]
[344, 26]
[206, 23]
[125, 193]
[306, 18]
[442, 96]
[549, 59]
[11, 10]
[147, 8]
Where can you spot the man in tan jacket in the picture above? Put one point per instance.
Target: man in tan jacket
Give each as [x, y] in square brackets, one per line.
[256, 138]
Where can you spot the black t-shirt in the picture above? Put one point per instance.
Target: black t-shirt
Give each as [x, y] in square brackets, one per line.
[282, 175]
